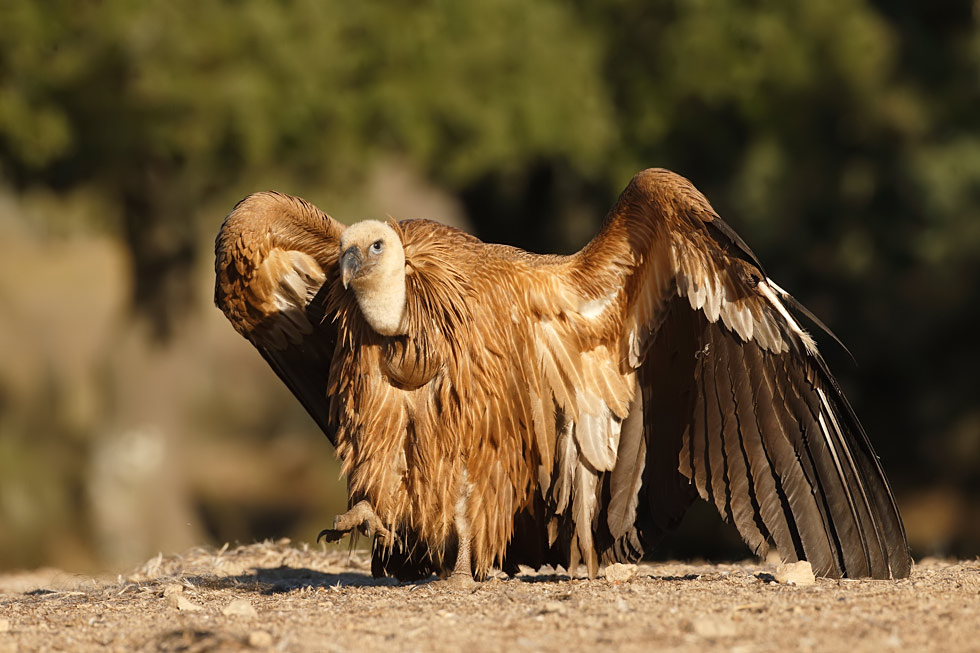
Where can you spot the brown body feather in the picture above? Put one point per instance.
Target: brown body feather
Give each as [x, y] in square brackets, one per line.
[545, 409]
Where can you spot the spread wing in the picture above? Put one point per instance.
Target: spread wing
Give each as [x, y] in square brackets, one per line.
[275, 264]
[733, 401]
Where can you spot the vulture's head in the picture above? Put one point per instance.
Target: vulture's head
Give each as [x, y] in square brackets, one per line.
[372, 264]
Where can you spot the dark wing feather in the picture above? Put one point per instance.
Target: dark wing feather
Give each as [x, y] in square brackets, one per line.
[738, 405]
[666, 493]
[304, 366]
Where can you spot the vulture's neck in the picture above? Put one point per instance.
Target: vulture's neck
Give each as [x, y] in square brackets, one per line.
[382, 302]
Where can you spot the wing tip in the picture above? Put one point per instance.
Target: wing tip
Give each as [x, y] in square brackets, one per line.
[652, 177]
[266, 207]
[674, 194]
[659, 183]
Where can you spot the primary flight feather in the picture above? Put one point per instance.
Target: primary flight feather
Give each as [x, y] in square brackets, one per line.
[493, 407]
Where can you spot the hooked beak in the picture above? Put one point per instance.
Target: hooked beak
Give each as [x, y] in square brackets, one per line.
[350, 264]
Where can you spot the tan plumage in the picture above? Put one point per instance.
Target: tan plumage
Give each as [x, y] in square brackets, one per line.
[493, 407]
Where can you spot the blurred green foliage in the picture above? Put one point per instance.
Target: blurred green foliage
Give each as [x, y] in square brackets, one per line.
[161, 103]
[841, 138]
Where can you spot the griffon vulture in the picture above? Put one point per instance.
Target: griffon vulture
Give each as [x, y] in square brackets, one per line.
[493, 407]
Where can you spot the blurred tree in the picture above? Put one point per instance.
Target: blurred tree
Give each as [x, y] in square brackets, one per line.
[160, 103]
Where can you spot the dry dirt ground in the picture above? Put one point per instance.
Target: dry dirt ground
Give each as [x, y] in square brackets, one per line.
[274, 596]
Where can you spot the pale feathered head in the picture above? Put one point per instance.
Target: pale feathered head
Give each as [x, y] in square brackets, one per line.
[372, 264]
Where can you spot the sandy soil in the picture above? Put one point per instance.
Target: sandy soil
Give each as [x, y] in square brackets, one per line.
[273, 596]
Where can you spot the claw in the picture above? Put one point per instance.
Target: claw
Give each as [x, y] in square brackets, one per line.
[330, 535]
[362, 517]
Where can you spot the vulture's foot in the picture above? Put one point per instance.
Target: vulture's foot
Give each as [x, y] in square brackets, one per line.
[361, 517]
[460, 582]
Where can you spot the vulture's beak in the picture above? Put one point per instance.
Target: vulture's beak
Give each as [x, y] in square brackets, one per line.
[350, 263]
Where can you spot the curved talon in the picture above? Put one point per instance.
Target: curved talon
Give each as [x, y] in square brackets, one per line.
[330, 535]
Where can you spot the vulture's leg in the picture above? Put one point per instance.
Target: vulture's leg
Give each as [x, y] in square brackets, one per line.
[462, 575]
[361, 516]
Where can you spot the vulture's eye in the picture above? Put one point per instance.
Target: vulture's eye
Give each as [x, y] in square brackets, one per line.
[377, 246]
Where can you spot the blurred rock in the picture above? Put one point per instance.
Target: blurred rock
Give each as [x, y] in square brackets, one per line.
[713, 627]
[259, 639]
[552, 607]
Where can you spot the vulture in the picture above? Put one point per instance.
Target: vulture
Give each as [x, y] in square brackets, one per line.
[493, 408]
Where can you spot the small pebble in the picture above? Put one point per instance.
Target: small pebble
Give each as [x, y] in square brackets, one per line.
[185, 605]
[239, 608]
[619, 572]
[4, 625]
[173, 589]
[795, 573]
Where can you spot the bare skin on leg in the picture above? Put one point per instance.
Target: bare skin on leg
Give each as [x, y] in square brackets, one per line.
[462, 576]
[361, 516]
